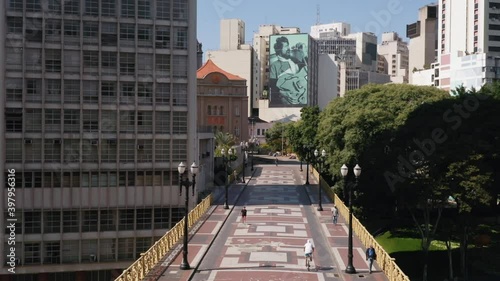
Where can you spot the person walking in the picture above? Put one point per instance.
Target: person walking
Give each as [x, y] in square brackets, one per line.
[371, 255]
[335, 214]
[244, 215]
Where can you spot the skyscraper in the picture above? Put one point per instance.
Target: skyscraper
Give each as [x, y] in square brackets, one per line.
[100, 109]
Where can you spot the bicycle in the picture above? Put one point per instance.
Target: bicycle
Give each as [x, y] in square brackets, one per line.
[308, 262]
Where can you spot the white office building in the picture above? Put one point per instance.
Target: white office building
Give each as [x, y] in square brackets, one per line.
[99, 110]
[395, 57]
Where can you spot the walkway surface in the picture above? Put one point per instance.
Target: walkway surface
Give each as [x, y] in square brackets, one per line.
[282, 215]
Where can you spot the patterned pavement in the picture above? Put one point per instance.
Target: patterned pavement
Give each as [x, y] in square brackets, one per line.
[269, 246]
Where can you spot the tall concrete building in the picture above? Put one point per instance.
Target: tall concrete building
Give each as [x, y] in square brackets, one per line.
[423, 35]
[99, 110]
[395, 57]
[469, 43]
[234, 55]
[330, 30]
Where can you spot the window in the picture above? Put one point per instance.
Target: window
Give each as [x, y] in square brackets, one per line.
[14, 89]
[144, 9]
[108, 34]
[180, 123]
[90, 121]
[71, 221]
[145, 122]
[92, 7]
[52, 150]
[163, 9]
[128, 8]
[127, 94]
[108, 220]
[221, 110]
[14, 120]
[90, 32]
[108, 151]
[180, 94]
[89, 251]
[127, 63]
[52, 60]
[90, 91]
[162, 151]
[71, 120]
[163, 65]
[33, 120]
[53, 91]
[14, 58]
[71, 28]
[33, 90]
[71, 91]
[89, 220]
[108, 121]
[13, 153]
[71, 155]
[145, 93]
[162, 122]
[55, 6]
[145, 64]
[16, 5]
[161, 218]
[179, 150]
[108, 92]
[52, 120]
[108, 63]
[33, 6]
[72, 62]
[162, 37]
[142, 244]
[107, 250]
[127, 33]
[177, 215]
[52, 253]
[125, 249]
[180, 10]
[52, 222]
[145, 151]
[31, 253]
[127, 150]
[72, 7]
[108, 8]
[32, 222]
[180, 70]
[144, 35]
[15, 25]
[144, 218]
[180, 38]
[70, 251]
[126, 218]
[162, 95]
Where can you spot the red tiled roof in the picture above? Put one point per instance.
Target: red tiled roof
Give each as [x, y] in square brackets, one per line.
[211, 67]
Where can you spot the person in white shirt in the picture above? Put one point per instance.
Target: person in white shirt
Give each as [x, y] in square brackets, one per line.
[308, 250]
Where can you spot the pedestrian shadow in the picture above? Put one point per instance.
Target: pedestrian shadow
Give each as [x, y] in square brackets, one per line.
[243, 267]
[323, 268]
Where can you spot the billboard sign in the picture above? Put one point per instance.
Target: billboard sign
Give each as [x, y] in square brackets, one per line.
[288, 67]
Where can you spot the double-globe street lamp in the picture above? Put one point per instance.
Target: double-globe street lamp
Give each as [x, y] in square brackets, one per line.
[357, 172]
[226, 168]
[320, 160]
[244, 148]
[186, 183]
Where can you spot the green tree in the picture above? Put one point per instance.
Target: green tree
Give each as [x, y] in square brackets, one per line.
[223, 140]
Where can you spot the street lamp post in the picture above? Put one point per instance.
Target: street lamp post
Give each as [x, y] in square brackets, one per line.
[186, 183]
[244, 147]
[357, 172]
[307, 149]
[321, 160]
[226, 160]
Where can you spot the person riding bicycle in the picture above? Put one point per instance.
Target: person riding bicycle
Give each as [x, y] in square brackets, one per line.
[308, 250]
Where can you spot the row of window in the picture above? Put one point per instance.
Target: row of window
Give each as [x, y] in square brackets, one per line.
[66, 221]
[81, 251]
[143, 9]
[47, 179]
[87, 62]
[108, 121]
[93, 151]
[91, 91]
[109, 34]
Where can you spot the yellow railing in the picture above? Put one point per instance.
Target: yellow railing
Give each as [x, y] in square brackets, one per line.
[384, 260]
[148, 260]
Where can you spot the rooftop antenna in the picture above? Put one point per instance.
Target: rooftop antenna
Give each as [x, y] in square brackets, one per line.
[317, 15]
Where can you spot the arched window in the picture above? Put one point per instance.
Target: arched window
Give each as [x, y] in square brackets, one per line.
[209, 110]
[221, 110]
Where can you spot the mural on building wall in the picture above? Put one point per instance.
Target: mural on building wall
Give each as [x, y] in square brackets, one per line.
[288, 59]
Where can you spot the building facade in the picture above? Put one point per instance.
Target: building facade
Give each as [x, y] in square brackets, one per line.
[395, 55]
[222, 101]
[100, 109]
[423, 35]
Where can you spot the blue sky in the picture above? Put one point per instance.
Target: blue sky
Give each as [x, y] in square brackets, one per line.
[376, 16]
